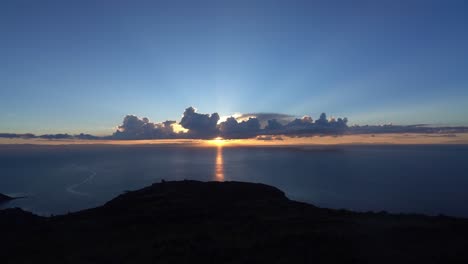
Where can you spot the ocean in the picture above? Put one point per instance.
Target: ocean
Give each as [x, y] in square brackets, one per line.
[423, 179]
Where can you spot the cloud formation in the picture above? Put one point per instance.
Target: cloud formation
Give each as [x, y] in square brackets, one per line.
[307, 126]
[398, 129]
[275, 127]
[135, 128]
[263, 118]
[200, 125]
[269, 138]
[245, 129]
[49, 136]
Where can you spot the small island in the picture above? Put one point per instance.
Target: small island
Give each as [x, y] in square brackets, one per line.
[227, 222]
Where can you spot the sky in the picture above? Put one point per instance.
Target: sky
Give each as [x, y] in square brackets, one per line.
[81, 66]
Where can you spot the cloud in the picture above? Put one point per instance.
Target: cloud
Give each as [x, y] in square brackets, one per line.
[307, 126]
[200, 125]
[263, 118]
[398, 129]
[273, 125]
[301, 122]
[135, 128]
[245, 129]
[194, 125]
[9, 135]
[49, 136]
[269, 138]
[297, 127]
[56, 136]
[86, 136]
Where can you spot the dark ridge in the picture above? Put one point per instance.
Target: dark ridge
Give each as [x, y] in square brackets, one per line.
[5, 198]
[229, 222]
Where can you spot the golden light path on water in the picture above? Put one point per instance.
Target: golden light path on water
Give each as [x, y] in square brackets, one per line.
[219, 165]
[219, 162]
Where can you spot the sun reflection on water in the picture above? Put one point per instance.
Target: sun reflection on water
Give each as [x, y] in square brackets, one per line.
[219, 165]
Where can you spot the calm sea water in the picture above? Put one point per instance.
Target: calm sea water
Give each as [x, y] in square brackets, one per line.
[409, 179]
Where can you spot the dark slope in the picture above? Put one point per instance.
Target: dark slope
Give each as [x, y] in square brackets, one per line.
[4, 198]
[230, 222]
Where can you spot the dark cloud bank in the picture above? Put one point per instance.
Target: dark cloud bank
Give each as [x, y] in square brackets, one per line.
[49, 136]
[263, 126]
[136, 128]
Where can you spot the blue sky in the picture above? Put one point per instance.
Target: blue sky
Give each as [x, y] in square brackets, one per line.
[80, 66]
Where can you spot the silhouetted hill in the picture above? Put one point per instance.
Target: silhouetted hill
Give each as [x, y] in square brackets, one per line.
[4, 198]
[229, 222]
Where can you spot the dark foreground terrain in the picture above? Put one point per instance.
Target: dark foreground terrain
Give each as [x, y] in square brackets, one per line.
[4, 198]
[229, 222]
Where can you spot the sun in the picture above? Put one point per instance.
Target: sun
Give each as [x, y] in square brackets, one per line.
[219, 141]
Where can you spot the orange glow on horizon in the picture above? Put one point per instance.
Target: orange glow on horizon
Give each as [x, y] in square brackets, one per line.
[219, 141]
[280, 141]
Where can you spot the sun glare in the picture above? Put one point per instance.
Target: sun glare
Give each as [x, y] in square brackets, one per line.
[219, 141]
